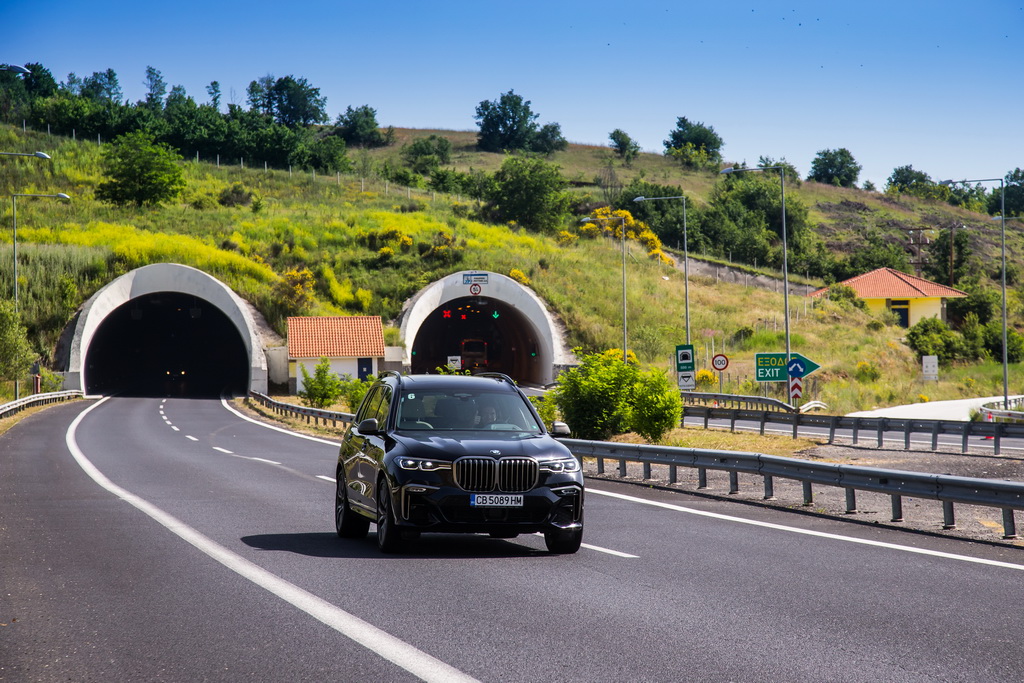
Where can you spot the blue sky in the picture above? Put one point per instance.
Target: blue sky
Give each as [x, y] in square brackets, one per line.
[934, 84]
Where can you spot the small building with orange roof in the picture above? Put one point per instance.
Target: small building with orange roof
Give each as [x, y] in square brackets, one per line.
[911, 298]
[353, 344]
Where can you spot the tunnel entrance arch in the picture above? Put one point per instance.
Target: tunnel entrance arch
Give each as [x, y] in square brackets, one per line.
[491, 321]
[165, 329]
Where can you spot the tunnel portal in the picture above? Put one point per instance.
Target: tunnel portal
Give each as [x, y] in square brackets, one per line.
[487, 334]
[167, 344]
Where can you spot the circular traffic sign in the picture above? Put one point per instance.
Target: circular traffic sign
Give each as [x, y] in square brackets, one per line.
[719, 361]
[474, 289]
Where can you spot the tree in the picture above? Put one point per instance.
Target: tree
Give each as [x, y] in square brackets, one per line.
[548, 139]
[531, 192]
[296, 103]
[156, 89]
[259, 95]
[694, 144]
[323, 389]
[1014, 189]
[835, 167]
[102, 86]
[424, 155]
[626, 147]
[140, 171]
[506, 124]
[359, 127]
[906, 179]
[39, 81]
[948, 257]
[213, 90]
[16, 355]
[792, 176]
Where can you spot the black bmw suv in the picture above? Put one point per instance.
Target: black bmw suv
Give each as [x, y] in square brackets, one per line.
[455, 453]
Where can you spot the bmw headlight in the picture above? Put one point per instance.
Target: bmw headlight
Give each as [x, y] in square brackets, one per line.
[560, 465]
[423, 465]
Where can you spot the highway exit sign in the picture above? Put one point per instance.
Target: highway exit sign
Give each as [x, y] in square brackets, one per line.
[772, 367]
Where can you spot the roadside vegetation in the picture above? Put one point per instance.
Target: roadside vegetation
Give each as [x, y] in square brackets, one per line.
[302, 216]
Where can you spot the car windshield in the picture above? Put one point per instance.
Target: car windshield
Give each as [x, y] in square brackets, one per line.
[465, 411]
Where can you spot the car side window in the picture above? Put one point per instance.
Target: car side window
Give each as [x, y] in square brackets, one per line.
[369, 405]
[382, 408]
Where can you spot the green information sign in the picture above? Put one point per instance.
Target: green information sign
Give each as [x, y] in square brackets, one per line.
[771, 367]
[684, 358]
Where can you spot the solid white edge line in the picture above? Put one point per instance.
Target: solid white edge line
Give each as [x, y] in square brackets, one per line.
[222, 450]
[230, 408]
[609, 551]
[807, 532]
[372, 638]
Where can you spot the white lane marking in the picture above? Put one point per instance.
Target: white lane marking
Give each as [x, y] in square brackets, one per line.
[372, 638]
[609, 551]
[325, 478]
[222, 450]
[275, 428]
[175, 428]
[269, 462]
[191, 438]
[807, 532]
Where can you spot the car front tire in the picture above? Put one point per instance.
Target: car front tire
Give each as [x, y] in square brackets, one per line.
[347, 523]
[389, 537]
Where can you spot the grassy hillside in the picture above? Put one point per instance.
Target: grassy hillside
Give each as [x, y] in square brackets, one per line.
[370, 247]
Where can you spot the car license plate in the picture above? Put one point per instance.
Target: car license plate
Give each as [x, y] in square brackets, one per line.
[495, 500]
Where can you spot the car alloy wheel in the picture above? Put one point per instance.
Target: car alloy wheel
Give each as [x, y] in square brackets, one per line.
[347, 523]
[389, 538]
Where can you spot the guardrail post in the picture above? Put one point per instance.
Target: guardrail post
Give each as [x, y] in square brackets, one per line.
[851, 501]
[673, 474]
[882, 424]
[796, 423]
[967, 433]
[702, 478]
[1009, 526]
[622, 468]
[832, 428]
[935, 436]
[856, 430]
[808, 495]
[647, 470]
[707, 416]
[906, 434]
[764, 419]
[734, 483]
[732, 421]
[998, 437]
[769, 488]
[948, 519]
[897, 508]
[600, 465]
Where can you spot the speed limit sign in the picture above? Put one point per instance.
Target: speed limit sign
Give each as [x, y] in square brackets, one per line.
[719, 362]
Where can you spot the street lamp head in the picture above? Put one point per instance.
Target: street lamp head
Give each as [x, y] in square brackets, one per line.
[61, 195]
[639, 199]
[42, 155]
[15, 68]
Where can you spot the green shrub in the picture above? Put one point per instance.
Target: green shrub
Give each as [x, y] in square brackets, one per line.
[323, 389]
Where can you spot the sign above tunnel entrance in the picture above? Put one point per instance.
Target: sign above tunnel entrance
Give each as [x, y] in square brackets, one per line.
[475, 278]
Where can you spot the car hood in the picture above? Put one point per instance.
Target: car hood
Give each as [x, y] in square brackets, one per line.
[459, 444]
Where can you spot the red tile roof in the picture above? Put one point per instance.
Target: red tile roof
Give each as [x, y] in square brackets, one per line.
[355, 336]
[886, 283]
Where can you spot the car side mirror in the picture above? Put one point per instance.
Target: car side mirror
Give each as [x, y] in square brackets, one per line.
[368, 426]
[560, 429]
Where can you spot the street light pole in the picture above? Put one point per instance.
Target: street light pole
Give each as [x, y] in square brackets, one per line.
[785, 248]
[589, 219]
[686, 259]
[38, 155]
[1002, 234]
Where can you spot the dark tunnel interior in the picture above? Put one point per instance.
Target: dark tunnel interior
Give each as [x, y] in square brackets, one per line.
[167, 344]
[487, 334]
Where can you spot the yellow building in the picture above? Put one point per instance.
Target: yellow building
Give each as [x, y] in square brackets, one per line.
[911, 298]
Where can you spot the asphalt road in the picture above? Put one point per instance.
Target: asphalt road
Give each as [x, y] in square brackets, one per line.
[173, 540]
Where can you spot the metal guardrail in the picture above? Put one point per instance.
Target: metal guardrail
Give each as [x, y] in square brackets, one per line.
[1005, 412]
[878, 426]
[21, 404]
[725, 400]
[1005, 495]
[310, 414]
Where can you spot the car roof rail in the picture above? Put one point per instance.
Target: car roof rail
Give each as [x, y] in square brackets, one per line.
[498, 376]
[394, 373]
